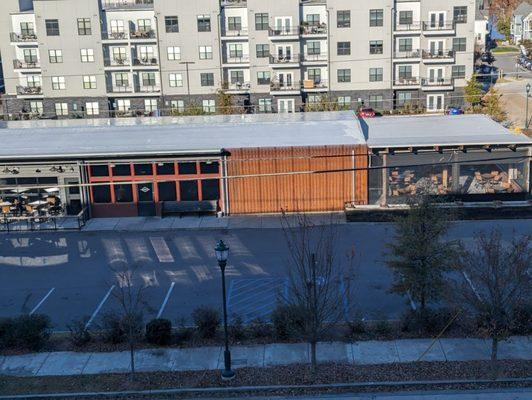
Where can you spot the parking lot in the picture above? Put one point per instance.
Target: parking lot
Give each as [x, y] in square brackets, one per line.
[69, 275]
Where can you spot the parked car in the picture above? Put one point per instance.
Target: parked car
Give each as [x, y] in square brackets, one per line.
[366, 112]
[452, 110]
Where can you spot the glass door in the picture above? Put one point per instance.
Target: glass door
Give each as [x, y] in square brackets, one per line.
[145, 203]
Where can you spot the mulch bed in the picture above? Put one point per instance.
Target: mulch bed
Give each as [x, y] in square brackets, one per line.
[281, 375]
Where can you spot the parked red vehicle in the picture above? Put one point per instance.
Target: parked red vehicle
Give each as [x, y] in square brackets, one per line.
[366, 112]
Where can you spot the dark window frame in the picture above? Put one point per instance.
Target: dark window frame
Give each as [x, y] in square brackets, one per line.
[343, 19]
[376, 17]
[52, 27]
[343, 48]
[376, 47]
[262, 21]
[171, 24]
[207, 79]
[84, 27]
[204, 23]
[344, 75]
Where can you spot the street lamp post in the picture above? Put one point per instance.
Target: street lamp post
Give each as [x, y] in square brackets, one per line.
[527, 96]
[222, 251]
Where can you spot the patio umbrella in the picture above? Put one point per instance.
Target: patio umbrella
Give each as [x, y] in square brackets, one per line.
[52, 190]
[38, 203]
[19, 190]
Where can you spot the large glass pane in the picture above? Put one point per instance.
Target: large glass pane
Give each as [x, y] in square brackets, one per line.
[210, 189]
[99, 170]
[143, 169]
[165, 169]
[101, 194]
[188, 190]
[167, 191]
[187, 168]
[209, 167]
[123, 193]
[492, 178]
[122, 170]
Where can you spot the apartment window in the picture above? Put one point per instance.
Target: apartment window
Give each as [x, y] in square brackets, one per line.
[117, 26]
[144, 25]
[52, 27]
[314, 75]
[375, 74]
[265, 105]
[375, 47]
[87, 55]
[171, 24]
[89, 82]
[146, 53]
[84, 26]
[406, 17]
[27, 29]
[122, 79]
[237, 77]
[405, 44]
[119, 55]
[263, 78]
[177, 105]
[236, 50]
[459, 44]
[204, 23]
[92, 108]
[174, 53]
[148, 79]
[209, 106]
[55, 56]
[375, 101]
[313, 19]
[150, 105]
[404, 98]
[344, 75]
[344, 48]
[207, 79]
[176, 80]
[30, 56]
[234, 23]
[344, 102]
[61, 109]
[314, 48]
[33, 81]
[458, 71]
[376, 17]
[343, 18]
[405, 71]
[313, 98]
[460, 14]
[36, 107]
[58, 83]
[262, 22]
[263, 51]
[123, 105]
[205, 52]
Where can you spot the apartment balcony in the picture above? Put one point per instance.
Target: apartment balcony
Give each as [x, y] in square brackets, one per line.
[26, 65]
[235, 34]
[142, 34]
[439, 29]
[117, 63]
[313, 86]
[407, 56]
[437, 84]
[133, 90]
[314, 59]
[113, 37]
[148, 89]
[150, 62]
[409, 82]
[313, 31]
[120, 89]
[413, 28]
[237, 87]
[438, 56]
[242, 60]
[285, 88]
[291, 61]
[233, 3]
[29, 90]
[276, 34]
[24, 38]
[127, 4]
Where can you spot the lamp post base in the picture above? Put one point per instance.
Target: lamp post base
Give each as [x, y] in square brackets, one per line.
[228, 375]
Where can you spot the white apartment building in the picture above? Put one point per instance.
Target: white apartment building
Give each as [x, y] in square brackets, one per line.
[89, 58]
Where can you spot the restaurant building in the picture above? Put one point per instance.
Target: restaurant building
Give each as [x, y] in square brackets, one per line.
[261, 163]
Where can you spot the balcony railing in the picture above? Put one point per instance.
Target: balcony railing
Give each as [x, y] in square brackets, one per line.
[284, 86]
[430, 82]
[120, 89]
[115, 35]
[314, 57]
[294, 58]
[230, 3]
[148, 89]
[407, 54]
[406, 81]
[283, 31]
[437, 54]
[151, 61]
[236, 60]
[412, 26]
[23, 64]
[127, 4]
[142, 34]
[438, 26]
[29, 90]
[314, 84]
[116, 62]
[240, 86]
[242, 31]
[318, 29]
[23, 37]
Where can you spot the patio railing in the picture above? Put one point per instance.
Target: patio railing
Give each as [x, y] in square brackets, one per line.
[44, 222]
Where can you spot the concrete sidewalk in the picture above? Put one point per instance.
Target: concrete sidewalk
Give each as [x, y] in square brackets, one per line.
[138, 224]
[209, 358]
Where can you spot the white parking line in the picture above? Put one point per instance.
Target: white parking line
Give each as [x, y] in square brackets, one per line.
[42, 301]
[165, 300]
[99, 307]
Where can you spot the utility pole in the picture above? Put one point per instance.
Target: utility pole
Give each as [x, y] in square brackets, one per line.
[188, 80]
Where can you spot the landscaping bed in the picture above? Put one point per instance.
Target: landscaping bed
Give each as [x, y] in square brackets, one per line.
[282, 375]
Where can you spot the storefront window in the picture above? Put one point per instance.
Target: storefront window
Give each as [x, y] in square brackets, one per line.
[99, 170]
[101, 194]
[165, 169]
[122, 170]
[492, 178]
[210, 167]
[123, 193]
[143, 169]
[188, 190]
[210, 189]
[421, 180]
[187, 168]
[167, 191]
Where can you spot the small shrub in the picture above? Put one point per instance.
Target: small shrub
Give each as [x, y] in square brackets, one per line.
[237, 330]
[287, 321]
[112, 329]
[383, 327]
[79, 335]
[184, 333]
[31, 331]
[522, 320]
[207, 321]
[259, 329]
[7, 333]
[426, 322]
[355, 328]
[159, 331]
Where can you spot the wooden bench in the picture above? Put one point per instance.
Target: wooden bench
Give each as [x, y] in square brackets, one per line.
[189, 207]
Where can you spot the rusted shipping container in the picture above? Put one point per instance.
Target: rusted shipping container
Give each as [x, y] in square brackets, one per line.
[270, 180]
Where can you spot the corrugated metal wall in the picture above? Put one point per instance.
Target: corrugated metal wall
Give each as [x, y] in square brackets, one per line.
[296, 192]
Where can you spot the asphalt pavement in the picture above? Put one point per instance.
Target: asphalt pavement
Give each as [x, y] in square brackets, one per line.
[69, 275]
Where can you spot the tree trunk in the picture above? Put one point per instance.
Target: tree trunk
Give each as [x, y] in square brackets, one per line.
[313, 358]
[132, 359]
[494, 349]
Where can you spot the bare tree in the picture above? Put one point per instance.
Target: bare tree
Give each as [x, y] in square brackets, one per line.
[131, 304]
[319, 282]
[497, 282]
[419, 255]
